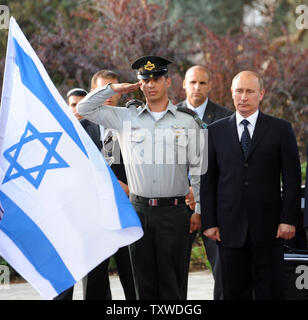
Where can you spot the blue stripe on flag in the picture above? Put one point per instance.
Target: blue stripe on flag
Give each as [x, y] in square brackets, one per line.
[35, 246]
[32, 79]
[127, 214]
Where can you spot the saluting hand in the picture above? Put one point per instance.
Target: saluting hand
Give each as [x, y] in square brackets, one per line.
[124, 88]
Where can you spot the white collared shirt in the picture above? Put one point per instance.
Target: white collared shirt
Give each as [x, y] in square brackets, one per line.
[251, 126]
[199, 110]
[102, 133]
[105, 132]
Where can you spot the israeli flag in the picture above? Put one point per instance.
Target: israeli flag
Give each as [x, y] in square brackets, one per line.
[62, 209]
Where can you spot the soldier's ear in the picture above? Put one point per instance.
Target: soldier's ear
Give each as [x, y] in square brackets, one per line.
[168, 82]
[184, 84]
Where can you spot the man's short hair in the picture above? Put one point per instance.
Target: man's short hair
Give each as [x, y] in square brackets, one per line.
[202, 67]
[105, 74]
[79, 92]
[256, 74]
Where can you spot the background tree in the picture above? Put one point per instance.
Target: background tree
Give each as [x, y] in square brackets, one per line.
[114, 34]
[74, 39]
[219, 16]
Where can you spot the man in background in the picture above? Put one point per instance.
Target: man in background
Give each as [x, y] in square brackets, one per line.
[198, 84]
[73, 97]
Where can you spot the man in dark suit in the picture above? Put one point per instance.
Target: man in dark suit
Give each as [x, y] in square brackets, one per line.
[97, 286]
[197, 84]
[250, 154]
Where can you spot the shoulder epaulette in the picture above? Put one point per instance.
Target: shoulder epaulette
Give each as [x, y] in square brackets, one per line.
[192, 113]
[134, 102]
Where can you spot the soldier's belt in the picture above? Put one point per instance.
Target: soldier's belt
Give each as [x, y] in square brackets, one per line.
[157, 202]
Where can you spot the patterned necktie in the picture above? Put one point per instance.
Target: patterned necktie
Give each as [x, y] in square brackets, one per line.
[245, 139]
[108, 145]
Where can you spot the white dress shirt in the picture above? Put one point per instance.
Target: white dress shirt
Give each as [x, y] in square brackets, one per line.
[199, 110]
[102, 133]
[251, 126]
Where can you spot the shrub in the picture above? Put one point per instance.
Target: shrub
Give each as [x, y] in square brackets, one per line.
[304, 167]
[13, 273]
[198, 258]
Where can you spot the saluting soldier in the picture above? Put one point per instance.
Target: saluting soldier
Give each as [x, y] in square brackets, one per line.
[158, 144]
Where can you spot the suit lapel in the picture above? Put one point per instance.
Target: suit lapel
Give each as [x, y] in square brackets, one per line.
[182, 104]
[96, 135]
[209, 114]
[259, 131]
[234, 136]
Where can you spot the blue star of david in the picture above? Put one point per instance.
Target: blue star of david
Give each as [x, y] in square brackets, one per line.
[35, 174]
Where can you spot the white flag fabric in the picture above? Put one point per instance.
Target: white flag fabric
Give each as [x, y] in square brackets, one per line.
[62, 209]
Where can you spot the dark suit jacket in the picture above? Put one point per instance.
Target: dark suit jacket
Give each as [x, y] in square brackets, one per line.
[306, 195]
[93, 131]
[212, 112]
[238, 195]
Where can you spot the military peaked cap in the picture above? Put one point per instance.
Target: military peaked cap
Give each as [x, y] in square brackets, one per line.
[150, 67]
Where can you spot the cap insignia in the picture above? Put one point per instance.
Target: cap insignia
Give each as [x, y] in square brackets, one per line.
[149, 66]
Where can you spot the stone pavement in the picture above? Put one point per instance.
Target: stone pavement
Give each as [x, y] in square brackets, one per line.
[200, 287]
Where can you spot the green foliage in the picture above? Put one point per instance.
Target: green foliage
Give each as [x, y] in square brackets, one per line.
[219, 16]
[284, 16]
[13, 273]
[3, 262]
[112, 267]
[32, 15]
[198, 258]
[304, 168]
